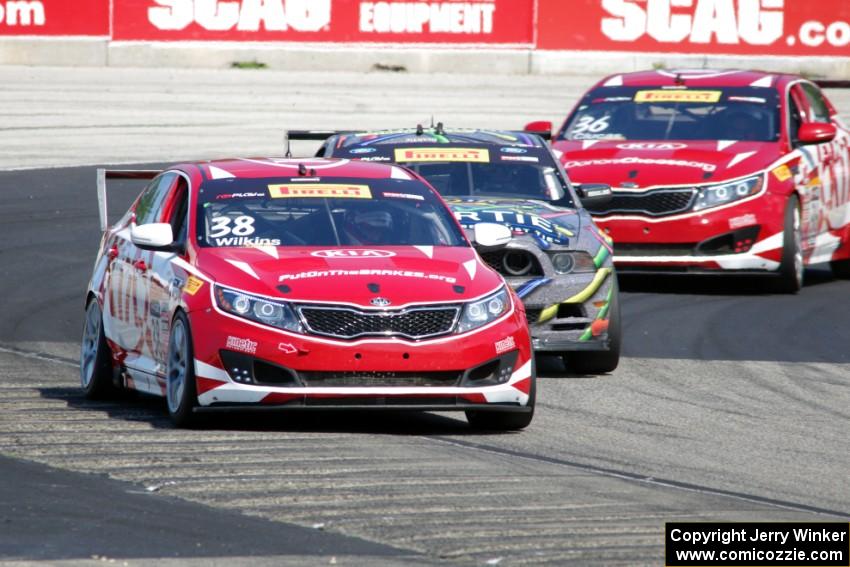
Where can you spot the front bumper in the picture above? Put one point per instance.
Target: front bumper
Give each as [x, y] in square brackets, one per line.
[239, 364]
[565, 312]
[745, 238]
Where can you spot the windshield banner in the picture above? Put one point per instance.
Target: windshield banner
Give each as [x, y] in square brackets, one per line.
[745, 27]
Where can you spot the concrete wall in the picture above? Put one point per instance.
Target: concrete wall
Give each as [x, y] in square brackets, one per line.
[312, 57]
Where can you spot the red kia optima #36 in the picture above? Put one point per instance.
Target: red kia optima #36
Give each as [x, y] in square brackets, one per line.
[292, 284]
[715, 172]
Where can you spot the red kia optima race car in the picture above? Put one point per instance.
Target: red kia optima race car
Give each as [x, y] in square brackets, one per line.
[303, 284]
[715, 172]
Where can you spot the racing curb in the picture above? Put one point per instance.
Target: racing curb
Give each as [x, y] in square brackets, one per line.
[99, 52]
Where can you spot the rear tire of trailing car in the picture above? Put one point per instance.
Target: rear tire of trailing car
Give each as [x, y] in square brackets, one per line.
[504, 421]
[600, 361]
[95, 356]
[181, 390]
[790, 276]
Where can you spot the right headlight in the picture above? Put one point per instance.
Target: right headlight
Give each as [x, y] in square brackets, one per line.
[483, 311]
[716, 195]
[273, 313]
[572, 262]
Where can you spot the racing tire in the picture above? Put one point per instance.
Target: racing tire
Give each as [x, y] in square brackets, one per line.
[180, 388]
[600, 361]
[95, 356]
[503, 421]
[789, 278]
[840, 269]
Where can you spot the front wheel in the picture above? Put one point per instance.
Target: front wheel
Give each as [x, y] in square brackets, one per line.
[180, 388]
[602, 361]
[95, 356]
[790, 276]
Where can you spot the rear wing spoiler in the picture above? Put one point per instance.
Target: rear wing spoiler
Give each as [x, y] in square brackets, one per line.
[832, 84]
[104, 174]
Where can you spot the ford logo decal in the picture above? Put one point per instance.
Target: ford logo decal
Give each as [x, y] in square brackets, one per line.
[353, 253]
[512, 150]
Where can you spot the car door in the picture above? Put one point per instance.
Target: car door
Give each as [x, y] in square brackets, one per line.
[127, 305]
[825, 185]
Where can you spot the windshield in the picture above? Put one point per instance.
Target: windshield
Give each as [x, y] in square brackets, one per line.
[654, 113]
[333, 212]
[516, 180]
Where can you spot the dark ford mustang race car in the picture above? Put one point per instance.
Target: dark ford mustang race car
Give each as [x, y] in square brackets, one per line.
[558, 261]
[715, 172]
[279, 283]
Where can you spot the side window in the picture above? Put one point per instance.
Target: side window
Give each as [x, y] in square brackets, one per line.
[796, 119]
[149, 206]
[179, 207]
[818, 109]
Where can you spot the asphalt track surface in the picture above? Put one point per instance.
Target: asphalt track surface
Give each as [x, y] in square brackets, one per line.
[730, 404]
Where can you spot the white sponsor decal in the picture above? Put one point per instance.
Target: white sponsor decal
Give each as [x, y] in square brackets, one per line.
[430, 17]
[652, 146]
[353, 253]
[641, 161]
[520, 158]
[755, 22]
[244, 15]
[743, 220]
[368, 272]
[404, 196]
[243, 345]
[22, 13]
[505, 345]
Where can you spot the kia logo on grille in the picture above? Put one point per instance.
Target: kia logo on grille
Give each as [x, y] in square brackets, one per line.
[353, 253]
[652, 146]
[380, 302]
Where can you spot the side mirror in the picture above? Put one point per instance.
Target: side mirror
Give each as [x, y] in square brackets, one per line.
[541, 128]
[153, 236]
[491, 235]
[594, 195]
[816, 133]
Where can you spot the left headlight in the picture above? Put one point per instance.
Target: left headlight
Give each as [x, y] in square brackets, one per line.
[716, 195]
[572, 262]
[483, 311]
[273, 313]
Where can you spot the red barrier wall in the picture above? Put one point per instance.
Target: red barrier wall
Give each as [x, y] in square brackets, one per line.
[742, 27]
[492, 22]
[54, 17]
[735, 27]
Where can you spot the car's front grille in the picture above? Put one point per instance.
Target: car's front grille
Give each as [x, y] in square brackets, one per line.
[349, 323]
[670, 249]
[378, 379]
[659, 202]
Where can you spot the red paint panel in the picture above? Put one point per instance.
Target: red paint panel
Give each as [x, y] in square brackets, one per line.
[54, 18]
[205, 384]
[493, 22]
[523, 386]
[739, 27]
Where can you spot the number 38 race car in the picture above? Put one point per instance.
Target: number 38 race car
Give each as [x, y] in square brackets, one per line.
[279, 283]
[558, 261]
[715, 172]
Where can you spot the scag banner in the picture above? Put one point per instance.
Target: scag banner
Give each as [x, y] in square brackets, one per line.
[499, 22]
[745, 27]
[54, 17]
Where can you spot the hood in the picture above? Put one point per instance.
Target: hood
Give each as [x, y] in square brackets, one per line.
[545, 223]
[637, 164]
[400, 274]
